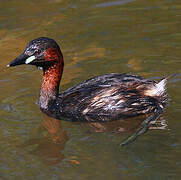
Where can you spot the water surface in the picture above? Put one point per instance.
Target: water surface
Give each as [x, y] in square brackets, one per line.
[96, 37]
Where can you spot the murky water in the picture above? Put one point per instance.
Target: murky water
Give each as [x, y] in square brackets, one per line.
[96, 37]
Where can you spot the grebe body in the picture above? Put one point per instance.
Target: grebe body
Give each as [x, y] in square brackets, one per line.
[102, 98]
[105, 98]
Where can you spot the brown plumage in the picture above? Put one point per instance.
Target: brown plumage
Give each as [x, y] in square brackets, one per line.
[103, 98]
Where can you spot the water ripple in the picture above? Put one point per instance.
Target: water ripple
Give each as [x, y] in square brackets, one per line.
[113, 3]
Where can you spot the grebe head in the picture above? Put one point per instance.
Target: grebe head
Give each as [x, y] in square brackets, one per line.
[42, 52]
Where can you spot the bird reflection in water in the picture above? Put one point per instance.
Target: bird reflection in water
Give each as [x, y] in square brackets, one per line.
[50, 146]
[125, 126]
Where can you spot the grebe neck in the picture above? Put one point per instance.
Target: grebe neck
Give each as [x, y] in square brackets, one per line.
[50, 84]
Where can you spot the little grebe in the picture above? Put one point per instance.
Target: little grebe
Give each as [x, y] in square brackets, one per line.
[102, 98]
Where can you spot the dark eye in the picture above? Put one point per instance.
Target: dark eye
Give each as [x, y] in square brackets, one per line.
[38, 51]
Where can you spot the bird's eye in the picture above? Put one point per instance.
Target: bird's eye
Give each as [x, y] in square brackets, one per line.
[38, 51]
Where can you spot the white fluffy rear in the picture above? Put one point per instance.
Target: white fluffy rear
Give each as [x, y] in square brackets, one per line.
[157, 89]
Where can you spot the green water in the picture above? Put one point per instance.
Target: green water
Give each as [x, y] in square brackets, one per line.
[96, 37]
